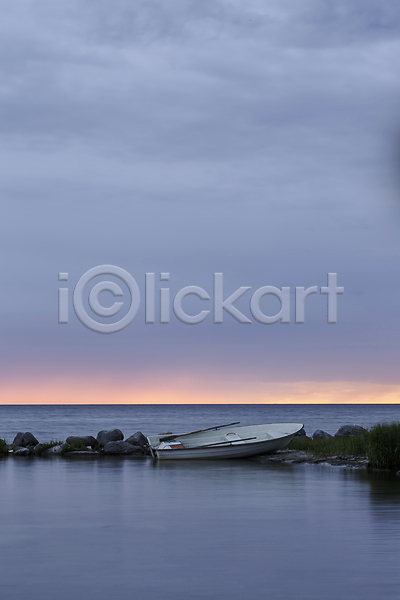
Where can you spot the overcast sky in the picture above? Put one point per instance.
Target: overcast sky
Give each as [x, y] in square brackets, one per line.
[257, 139]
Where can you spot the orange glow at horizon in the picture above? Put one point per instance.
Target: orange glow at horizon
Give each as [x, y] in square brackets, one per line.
[188, 391]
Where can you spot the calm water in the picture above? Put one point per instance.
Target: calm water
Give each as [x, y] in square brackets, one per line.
[98, 529]
[58, 422]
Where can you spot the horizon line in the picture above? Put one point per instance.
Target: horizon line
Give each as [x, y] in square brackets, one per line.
[283, 403]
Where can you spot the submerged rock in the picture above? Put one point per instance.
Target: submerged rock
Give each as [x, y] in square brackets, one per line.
[53, 450]
[321, 435]
[137, 439]
[21, 451]
[114, 435]
[120, 447]
[298, 457]
[349, 430]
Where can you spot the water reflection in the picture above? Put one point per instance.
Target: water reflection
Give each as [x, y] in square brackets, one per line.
[200, 529]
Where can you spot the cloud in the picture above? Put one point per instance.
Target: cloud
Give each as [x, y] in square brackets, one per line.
[196, 137]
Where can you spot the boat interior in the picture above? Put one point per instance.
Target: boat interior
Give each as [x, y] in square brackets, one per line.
[220, 436]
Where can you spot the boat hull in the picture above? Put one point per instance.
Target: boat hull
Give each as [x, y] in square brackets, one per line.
[225, 451]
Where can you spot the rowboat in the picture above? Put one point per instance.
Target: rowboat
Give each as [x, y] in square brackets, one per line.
[223, 441]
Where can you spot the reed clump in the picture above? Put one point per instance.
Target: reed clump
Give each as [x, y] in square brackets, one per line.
[335, 446]
[74, 446]
[3, 448]
[40, 448]
[384, 446]
[381, 445]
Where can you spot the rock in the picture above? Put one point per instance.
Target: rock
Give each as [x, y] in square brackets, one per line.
[52, 450]
[74, 439]
[301, 433]
[20, 451]
[296, 456]
[114, 435]
[137, 439]
[120, 447]
[87, 440]
[29, 440]
[321, 435]
[24, 439]
[44, 450]
[18, 440]
[83, 453]
[349, 430]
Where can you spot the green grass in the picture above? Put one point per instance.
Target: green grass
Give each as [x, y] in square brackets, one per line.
[384, 449]
[346, 446]
[381, 445]
[3, 448]
[74, 447]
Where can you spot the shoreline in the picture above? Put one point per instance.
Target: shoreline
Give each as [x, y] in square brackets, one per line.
[295, 457]
[351, 446]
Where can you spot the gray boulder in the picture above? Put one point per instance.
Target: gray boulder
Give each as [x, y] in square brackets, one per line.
[29, 440]
[41, 450]
[321, 435]
[53, 450]
[74, 439]
[38, 449]
[24, 439]
[114, 435]
[87, 440]
[120, 447]
[137, 439]
[20, 451]
[349, 430]
[18, 440]
[301, 433]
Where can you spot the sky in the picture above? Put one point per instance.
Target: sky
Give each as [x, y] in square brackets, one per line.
[260, 140]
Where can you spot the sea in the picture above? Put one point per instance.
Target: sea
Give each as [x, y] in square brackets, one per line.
[236, 529]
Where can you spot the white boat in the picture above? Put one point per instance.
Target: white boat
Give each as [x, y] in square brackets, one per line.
[223, 441]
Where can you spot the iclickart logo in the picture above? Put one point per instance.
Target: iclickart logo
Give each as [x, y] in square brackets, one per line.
[84, 301]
